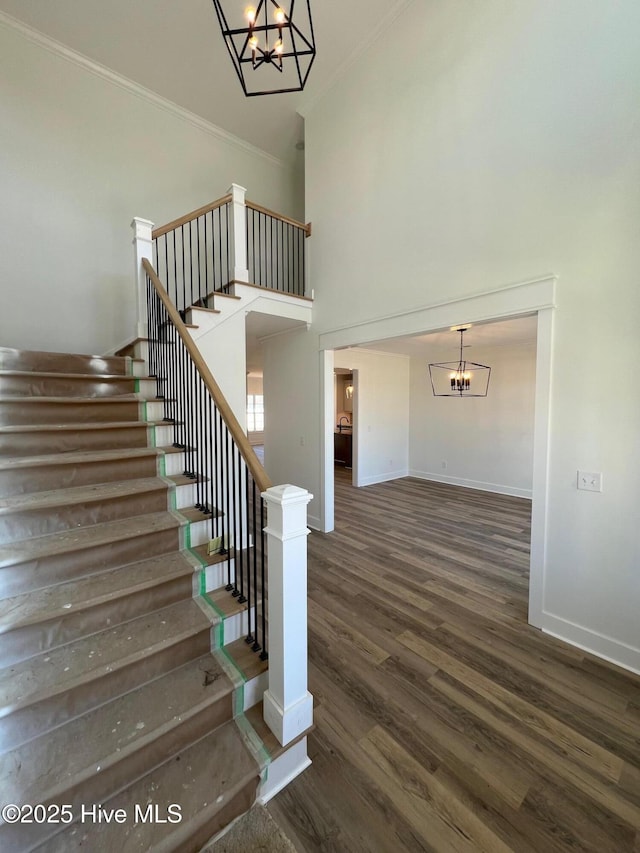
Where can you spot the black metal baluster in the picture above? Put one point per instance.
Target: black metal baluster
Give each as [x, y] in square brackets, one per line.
[264, 653]
[220, 249]
[191, 300]
[229, 520]
[254, 506]
[249, 637]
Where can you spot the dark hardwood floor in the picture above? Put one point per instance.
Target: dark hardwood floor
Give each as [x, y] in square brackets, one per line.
[443, 721]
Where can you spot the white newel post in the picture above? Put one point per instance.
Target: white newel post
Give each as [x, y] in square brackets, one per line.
[142, 248]
[238, 229]
[288, 705]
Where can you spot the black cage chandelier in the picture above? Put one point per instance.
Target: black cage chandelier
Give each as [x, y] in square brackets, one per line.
[271, 44]
[459, 378]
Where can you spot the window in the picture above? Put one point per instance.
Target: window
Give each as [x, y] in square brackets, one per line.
[255, 413]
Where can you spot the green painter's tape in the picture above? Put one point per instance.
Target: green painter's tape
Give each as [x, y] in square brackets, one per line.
[255, 743]
[136, 385]
[235, 666]
[212, 604]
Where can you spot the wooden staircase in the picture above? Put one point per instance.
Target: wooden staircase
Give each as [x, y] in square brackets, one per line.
[114, 692]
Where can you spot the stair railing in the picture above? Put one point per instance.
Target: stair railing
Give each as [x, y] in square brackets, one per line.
[259, 529]
[229, 241]
[276, 250]
[228, 479]
[193, 254]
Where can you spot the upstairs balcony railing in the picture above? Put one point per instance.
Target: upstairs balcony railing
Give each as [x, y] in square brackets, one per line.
[230, 240]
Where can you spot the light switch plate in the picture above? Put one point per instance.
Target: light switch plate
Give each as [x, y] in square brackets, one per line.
[590, 481]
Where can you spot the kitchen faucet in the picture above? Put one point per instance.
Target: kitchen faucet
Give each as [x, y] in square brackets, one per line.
[343, 418]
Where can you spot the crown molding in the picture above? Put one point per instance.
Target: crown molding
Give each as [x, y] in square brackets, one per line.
[309, 104]
[133, 88]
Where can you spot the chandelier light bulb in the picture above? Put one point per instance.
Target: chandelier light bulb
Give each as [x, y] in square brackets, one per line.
[250, 15]
[280, 17]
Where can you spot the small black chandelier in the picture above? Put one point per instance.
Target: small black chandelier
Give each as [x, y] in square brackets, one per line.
[271, 44]
[459, 378]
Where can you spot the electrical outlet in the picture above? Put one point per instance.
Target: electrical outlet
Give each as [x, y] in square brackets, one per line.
[590, 481]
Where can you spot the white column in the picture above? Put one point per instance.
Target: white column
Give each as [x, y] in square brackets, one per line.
[288, 705]
[142, 248]
[238, 235]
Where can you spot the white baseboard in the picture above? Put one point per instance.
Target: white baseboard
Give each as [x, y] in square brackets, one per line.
[596, 644]
[314, 523]
[382, 478]
[472, 484]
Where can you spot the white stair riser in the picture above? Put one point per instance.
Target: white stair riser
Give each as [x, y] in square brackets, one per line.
[283, 770]
[154, 410]
[173, 464]
[146, 388]
[236, 627]
[216, 576]
[254, 690]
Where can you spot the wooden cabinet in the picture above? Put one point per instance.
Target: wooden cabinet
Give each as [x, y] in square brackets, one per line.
[343, 448]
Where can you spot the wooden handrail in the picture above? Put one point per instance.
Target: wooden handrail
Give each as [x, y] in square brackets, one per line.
[189, 217]
[259, 209]
[257, 471]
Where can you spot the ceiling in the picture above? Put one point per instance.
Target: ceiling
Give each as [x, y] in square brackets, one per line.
[517, 331]
[176, 49]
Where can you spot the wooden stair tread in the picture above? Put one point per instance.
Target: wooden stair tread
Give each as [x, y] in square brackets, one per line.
[63, 599]
[210, 559]
[75, 401]
[205, 798]
[80, 494]
[224, 603]
[92, 425]
[106, 731]
[193, 515]
[246, 661]
[29, 550]
[94, 364]
[92, 377]
[76, 457]
[54, 672]
[107, 734]
[255, 716]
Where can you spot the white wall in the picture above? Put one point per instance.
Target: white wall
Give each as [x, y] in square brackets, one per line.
[380, 414]
[479, 442]
[80, 156]
[501, 144]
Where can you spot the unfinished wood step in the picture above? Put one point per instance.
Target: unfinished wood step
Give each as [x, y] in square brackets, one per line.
[64, 410]
[39, 439]
[32, 383]
[60, 362]
[115, 744]
[43, 619]
[71, 554]
[43, 692]
[23, 475]
[40, 513]
[209, 799]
